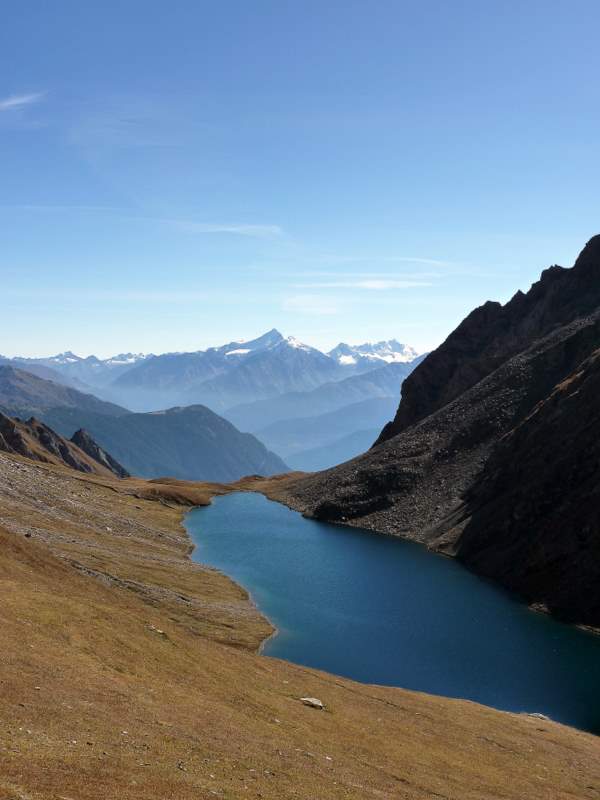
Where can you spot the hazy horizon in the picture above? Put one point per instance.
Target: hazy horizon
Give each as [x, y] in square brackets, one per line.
[104, 355]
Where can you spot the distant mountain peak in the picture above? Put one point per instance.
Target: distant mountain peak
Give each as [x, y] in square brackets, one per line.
[268, 339]
[68, 357]
[389, 351]
[243, 347]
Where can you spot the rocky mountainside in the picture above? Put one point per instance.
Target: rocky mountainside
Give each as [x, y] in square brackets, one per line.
[492, 455]
[84, 442]
[493, 333]
[33, 439]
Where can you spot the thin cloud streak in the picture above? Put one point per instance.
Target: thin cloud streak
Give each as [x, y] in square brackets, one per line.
[370, 284]
[117, 295]
[256, 231]
[339, 259]
[16, 101]
[50, 207]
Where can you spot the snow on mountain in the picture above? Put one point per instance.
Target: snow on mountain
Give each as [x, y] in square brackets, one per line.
[63, 358]
[389, 352]
[125, 358]
[243, 348]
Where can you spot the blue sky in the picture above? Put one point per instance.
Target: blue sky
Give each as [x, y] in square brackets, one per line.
[176, 175]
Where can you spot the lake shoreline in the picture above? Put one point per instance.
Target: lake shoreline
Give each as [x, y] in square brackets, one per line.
[282, 548]
[276, 490]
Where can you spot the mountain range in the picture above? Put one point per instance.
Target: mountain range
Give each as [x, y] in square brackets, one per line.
[493, 453]
[252, 384]
[193, 443]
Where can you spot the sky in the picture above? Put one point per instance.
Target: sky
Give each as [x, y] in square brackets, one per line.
[177, 175]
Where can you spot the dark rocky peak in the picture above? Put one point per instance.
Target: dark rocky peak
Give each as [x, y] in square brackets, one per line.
[589, 258]
[85, 442]
[35, 440]
[493, 333]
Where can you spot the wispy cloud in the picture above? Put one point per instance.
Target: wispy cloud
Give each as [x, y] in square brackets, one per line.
[79, 295]
[15, 101]
[382, 259]
[310, 304]
[55, 207]
[257, 231]
[371, 284]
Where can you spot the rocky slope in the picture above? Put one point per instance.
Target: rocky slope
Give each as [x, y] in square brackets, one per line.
[491, 456]
[34, 440]
[532, 519]
[84, 442]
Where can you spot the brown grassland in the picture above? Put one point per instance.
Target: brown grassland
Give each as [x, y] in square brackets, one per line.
[128, 671]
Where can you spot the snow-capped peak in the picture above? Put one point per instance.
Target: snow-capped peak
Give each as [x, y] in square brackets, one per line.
[68, 357]
[243, 347]
[389, 352]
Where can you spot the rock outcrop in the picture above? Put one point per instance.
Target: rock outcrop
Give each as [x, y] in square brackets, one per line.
[85, 442]
[33, 439]
[493, 454]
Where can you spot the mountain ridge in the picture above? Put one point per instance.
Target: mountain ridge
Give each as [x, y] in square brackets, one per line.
[469, 414]
[35, 440]
[221, 377]
[186, 443]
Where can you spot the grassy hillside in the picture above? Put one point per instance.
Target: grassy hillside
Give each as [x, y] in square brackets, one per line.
[128, 671]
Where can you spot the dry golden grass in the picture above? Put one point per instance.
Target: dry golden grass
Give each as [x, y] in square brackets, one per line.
[126, 671]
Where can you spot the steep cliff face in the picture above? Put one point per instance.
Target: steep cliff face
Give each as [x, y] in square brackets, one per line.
[85, 442]
[493, 333]
[533, 517]
[33, 439]
[492, 456]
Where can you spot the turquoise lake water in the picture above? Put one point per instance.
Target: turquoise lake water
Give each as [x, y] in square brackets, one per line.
[382, 610]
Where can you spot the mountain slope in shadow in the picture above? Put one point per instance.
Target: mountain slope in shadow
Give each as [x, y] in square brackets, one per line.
[494, 450]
